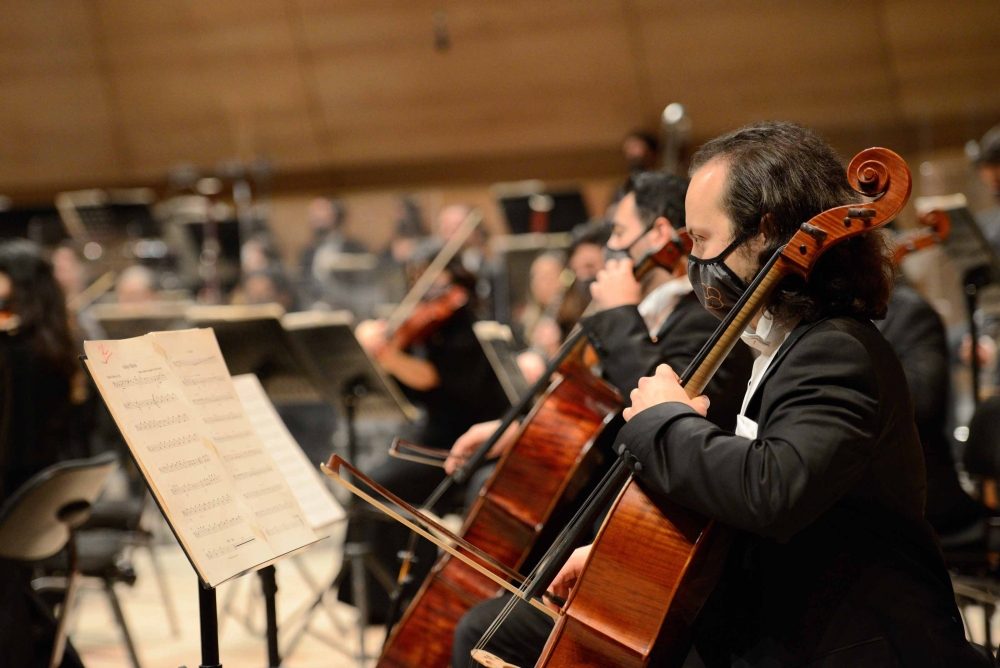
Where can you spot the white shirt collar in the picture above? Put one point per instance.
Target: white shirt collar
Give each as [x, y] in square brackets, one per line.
[657, 306]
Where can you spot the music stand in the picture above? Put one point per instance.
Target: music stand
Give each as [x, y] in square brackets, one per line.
[498, 345]
[974, 258]
[125, 321]
[252, 340]
[358, 388]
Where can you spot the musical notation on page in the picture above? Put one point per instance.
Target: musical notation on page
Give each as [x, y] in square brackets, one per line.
[216, 527]
[243, 455]
[252, 473]
[199, 508]
[234, 436]
[226, 500]
[194, 362]
[138, 381]
[154, 401]
[207, 481]
[223, 417]
[263, 491]
[165, 422]
[201, 380]
[223, 550]
[214, 399]
[181, 464]
[172, 443]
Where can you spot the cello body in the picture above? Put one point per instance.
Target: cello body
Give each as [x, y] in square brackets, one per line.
[680, 552]
[547, 463]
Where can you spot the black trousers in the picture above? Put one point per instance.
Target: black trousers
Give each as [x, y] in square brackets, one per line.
[519, 640]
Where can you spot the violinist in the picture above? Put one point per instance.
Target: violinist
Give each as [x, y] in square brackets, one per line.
[832, 563]
[447, 376]
[640, 324]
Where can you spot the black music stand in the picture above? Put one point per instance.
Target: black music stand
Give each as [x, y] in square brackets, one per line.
[974, 258]
[252, 340]
[357, 387]
[125, 321]
[208, 614]
[498, 345]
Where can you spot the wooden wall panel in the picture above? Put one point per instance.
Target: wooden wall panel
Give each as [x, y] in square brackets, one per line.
[353, 93]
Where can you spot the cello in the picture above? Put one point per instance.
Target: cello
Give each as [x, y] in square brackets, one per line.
[652, 565]
[550, 460]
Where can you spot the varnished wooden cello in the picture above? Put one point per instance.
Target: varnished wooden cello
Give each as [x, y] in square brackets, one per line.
[647, 574]
[548, 462]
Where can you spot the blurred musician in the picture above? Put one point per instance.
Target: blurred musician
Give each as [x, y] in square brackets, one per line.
[41, 383]
[450, 378]
[641, 150]
[988, 162]
[638, 326]
[136, 285]
[917, 334]
[538, 328]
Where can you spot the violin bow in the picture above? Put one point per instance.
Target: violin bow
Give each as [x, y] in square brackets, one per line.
[434, 269]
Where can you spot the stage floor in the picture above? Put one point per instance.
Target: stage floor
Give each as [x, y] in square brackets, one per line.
[99, 642]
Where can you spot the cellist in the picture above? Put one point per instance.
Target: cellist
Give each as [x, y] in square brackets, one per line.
[639, 325]
[833, 563]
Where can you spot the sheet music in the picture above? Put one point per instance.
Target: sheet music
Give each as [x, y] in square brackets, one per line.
[172, 397]
[315, 498]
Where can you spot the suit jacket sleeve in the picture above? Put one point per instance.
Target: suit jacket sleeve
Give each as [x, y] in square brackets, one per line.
[622, 342]
[627, 353]
[812, 447]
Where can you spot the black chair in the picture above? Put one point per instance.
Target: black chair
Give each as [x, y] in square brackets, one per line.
[41, 519]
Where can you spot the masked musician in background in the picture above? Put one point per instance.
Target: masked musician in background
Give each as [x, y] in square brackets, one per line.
[639, 325]
[447, 376]
[832, 563]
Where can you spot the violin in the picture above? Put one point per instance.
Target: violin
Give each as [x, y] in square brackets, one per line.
[426, 307]
[935, 226]
[550, 460]
[428, 316]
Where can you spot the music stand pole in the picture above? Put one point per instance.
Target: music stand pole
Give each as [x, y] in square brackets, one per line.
[355, 549]
[974, 280]
[209, 616]
[269, 585]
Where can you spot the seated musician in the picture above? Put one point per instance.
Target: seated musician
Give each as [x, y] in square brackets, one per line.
[640, 325]
[832, 562]
[41, 387]
[917, 334]
[449, 377]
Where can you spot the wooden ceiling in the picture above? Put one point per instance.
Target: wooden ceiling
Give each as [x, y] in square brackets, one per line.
[353, 92]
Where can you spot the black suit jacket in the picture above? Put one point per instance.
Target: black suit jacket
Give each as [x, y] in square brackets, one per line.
[917, 335]
[833, 563]
[628, 353]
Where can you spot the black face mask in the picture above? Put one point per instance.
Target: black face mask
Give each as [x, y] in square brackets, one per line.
[717, 287]
[624, 253]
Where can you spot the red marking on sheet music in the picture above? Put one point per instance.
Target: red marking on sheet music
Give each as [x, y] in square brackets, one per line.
[105, 353]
